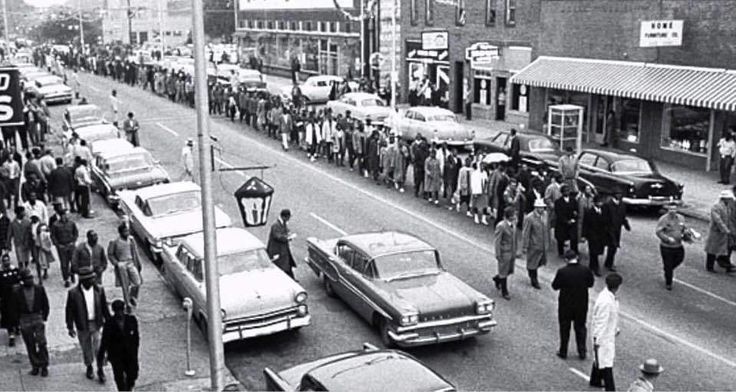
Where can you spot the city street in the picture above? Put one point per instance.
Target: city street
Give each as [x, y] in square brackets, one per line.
[690, 330]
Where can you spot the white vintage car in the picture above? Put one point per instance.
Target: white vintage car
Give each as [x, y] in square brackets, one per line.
[257, 298]
[362, 106]
[51, 88]
[316, 89]
[434, 123]
[163, 213]
[107, 145]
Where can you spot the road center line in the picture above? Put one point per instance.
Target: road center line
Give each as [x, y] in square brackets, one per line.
[328, 224]
[547, 276]
[706, 292]
[167, 129]
[579, 373]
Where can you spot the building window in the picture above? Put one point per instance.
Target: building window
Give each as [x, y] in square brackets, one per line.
[686, 128]
[282, 25]
[630, 115]
[250, 23]
[348, 26]
[490, 12]
[259, 24]
[482, 87]
[294, 26]
[307, 26]
[333, 27]
[519, 97]
[429, 12]
[413, 14]
[510, 12]
[322, 27]
[460, 14]
[269, 25]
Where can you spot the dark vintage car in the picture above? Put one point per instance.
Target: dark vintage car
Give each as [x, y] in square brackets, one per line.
[537, 150]
[115, 170]
[366, 370]
[397, 283]
[637, 177]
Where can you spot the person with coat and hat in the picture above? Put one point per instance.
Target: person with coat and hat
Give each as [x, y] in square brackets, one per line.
[535, 240]
[615, 212]
[717, 242]
[573, 281]
[187, 160]
[595, 230]
[604, 328]
[31, 304]
[432, 177]
[566, 217]
[650, 370]
[505, 246]
[9, 280]
[278, 244]
[120, 342]
[86, 313]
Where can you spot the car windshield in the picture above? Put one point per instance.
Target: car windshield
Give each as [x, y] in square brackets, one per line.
[126, 163]
[406, 265]
[174, 203]
[631, 166]
[540, 144]
[371, 102]
[48, 81]
[443, 117]
[244, 261]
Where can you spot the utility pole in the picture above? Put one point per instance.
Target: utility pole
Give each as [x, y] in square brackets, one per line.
[212, 277]
[161, 10]
[5, 29]
[362, 38]
[81, 26]
[129, 14]
[393, 54]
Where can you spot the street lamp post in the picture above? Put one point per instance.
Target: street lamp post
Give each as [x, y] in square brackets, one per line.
[212, 280]
[393, 54]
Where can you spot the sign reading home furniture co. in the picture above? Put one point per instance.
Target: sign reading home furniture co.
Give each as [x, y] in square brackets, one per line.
[252, 5]
[11, 106]
[656, 33]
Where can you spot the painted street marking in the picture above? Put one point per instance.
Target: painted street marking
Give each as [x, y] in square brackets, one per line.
[579, 374]
[706, 292]
[328, 224]
[167, 129]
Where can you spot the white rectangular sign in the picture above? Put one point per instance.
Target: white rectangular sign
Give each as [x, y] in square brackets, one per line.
[252, 5]
[656, 33]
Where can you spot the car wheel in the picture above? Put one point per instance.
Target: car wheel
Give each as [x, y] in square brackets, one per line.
[328, 286]
[383, 329]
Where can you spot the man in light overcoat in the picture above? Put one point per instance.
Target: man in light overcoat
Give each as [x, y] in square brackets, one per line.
[535, 240]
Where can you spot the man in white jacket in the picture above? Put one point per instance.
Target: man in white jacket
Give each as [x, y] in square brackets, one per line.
[604, 326]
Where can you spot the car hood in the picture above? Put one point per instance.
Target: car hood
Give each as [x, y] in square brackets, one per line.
[254, 292]
[431, 294]
[138, 178]
[55, 89]
[188, 222]
[449, 130]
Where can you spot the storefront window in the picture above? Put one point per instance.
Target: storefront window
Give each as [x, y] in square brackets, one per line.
[490, 12]
[630, 113]
[482, 87]
[311, 54]
[519, 97]
[429, 12]
[685, 128]
[413, 12]
[460, 17]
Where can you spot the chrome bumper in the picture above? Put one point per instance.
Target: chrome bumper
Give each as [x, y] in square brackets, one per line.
[434, 332]
[651, 201]
[232, 333]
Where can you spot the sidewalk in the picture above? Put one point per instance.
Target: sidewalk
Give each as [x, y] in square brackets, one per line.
[162, 323]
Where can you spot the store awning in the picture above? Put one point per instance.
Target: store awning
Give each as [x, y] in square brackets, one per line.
[702, 87]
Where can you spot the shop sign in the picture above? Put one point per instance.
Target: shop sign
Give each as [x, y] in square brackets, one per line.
[656, 33]
[415, 52]
[251, 5]
[11, 106]
[481, 53]
[435, 40]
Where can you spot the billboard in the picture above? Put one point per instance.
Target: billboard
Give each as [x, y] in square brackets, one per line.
[254, 5]
[11, 105]
[656, 33]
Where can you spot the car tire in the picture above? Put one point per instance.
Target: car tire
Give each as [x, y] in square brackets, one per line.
[329, 290]
[383, 329]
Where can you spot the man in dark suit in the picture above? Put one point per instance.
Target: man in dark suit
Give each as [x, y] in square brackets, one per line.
[120, 341]
[566, 218]
[31, 305]
[86, 309]
[615, 213]
[595, 230]
[573, 282]
[514, 150]
[278, 244]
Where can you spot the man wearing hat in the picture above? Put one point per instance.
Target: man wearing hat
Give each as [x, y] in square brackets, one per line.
[86, 313]
[505, 243]
[615, 212]
[671, 232]
[278, 244]
[573, 281]
[120, 341]
[595, 230]
[131, 127]
[717, 243]
[566, 220]
[650, 370]
[187, 159]
[535, 240]
[31, 305]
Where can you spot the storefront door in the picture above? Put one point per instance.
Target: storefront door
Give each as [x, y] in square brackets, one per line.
[458, 80]
[602, 105]
[500, 99]
[442, 86]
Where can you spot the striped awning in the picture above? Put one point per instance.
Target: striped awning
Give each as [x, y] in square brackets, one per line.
[702, 87]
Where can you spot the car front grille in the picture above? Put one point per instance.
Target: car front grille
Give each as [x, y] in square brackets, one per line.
[261, 320]
[445, 315]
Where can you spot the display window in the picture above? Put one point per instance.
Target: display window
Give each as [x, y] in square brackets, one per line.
[519, 97]
[482, 87]
[686, 128]
[630, 120]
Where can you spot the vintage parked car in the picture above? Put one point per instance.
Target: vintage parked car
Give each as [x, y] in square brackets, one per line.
[434, 123]
[51, 88]
[162, 214]
[103, 146]
[116, 170]
[397, 283]
[362, 106]
[316, 89]
[78, 116]
[369, 369]
[637, 177]
[257, 298]
[537, 150]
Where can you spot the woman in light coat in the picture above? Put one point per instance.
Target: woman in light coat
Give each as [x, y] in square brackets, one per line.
[432, 177]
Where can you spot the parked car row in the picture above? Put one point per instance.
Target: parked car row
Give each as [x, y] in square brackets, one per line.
[39, 83]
